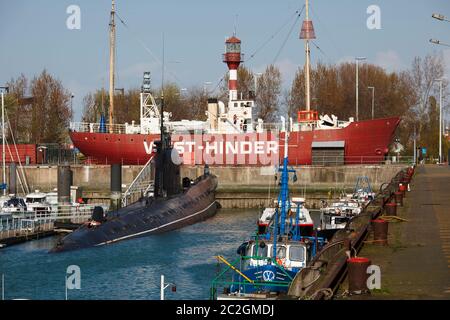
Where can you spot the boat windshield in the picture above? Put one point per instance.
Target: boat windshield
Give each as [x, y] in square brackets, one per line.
[260, 252]
[35, 200]
[14, 203]
[281, 252]
[297, 253]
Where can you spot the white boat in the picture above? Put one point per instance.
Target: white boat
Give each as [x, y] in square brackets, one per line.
[339, 213]
[37, 203]
[305, 222]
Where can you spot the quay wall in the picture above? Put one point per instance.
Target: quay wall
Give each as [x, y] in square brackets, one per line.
[239, 187]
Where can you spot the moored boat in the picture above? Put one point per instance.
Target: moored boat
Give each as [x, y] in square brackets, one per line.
[284, 244]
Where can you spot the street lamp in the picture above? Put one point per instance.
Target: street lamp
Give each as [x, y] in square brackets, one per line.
[4, 89]
[373, 100]
[205, 84]
[434, 41]
[440, 17]
[71, 104]
[440, 118]
[357, 84]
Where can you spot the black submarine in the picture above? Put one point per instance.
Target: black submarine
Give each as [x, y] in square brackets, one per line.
[174, 205]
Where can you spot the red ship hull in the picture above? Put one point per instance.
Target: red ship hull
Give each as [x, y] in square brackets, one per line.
[364, 142]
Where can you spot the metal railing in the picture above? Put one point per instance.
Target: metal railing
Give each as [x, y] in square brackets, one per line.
[336, 160]
[22, 222]
[97, 128]
[140, 186]
[221, 281]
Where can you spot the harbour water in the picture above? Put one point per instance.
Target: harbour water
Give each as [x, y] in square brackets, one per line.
[129, 269]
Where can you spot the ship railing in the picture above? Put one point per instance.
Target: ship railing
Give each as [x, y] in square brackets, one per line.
[140, 186]
[23, 222]
[222, 281]
[87, 127]
[339, 160]
[271, 126]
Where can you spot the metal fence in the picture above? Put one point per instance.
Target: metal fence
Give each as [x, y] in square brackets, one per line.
[24, 222]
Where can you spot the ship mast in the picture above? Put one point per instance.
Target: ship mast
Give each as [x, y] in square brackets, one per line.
[307, 33]
[112, 52]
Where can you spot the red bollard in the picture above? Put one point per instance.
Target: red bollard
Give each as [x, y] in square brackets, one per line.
[399, 198]
[380, 231]
[402, 188]
[357, 275]
[390, 209]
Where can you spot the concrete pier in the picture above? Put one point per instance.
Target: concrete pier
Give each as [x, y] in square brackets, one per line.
[416, 263]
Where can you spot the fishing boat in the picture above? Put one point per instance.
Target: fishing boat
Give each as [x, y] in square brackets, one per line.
[232, 134]
[284, 244]
[336, 215]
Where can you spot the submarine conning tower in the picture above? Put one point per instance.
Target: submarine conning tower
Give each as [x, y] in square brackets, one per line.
[233, 59]
[167, 160]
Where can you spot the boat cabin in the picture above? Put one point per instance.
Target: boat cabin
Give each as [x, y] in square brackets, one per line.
[292, 256]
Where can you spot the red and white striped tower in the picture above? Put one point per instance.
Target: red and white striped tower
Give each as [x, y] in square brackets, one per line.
[233, 59]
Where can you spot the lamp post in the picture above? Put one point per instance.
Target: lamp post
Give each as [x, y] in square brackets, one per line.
[440, 118]
[373, 101]
[205, 84]
[3, 137]
[357, 85]
[440, 17]
[435, 41]
[71, 104]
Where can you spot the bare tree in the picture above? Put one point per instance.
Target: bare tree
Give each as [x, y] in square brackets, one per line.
[268, 93]
[245, 84]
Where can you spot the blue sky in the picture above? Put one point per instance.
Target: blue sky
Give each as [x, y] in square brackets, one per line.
[34, 36]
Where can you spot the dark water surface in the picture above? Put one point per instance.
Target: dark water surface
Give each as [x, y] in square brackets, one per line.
[129, 269]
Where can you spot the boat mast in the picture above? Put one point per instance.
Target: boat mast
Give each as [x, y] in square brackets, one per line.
[307, 33]
[112, 53]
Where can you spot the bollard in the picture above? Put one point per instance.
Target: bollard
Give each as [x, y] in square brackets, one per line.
[64, 183]
[12, 178]
[390, 209]
[386, 198]
[399, 198]
[380, 231]
[116, 186]
[402, 188]
[357, 275]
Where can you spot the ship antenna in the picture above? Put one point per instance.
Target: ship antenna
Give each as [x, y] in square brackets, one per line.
[112, 45]
[162, 93]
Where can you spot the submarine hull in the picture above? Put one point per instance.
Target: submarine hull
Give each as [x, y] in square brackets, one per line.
[147, 216]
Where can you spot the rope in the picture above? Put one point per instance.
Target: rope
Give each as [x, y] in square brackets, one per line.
[393, 219]
[141, 42]
[328, 293]
[287, 37]
[275, 34]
